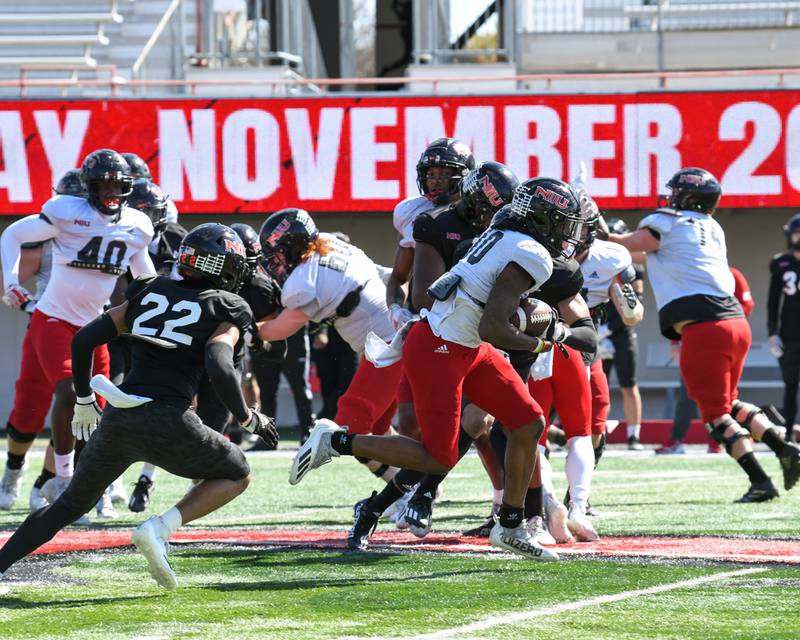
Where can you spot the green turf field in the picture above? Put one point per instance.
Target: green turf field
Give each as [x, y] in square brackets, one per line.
[260, 591]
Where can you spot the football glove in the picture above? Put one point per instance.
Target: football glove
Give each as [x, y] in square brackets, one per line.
[776, 345]
[263, 426]
[16, 296]
[399, 315]
[85, 417]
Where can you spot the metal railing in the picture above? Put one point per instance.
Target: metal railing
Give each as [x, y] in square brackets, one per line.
[177, 48]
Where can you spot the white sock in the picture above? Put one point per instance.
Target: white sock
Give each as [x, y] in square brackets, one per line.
[634, 430]
[172, 518]
[64, 463]
[545, 471]
[148, 471]
[579, 467]
[497, 496]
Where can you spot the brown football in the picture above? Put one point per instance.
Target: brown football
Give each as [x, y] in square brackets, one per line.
[533, 317]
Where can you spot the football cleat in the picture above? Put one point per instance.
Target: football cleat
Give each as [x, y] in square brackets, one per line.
[674, 447]
[315, 451]
[760, 492]
[482, 530]
[394, 513]
[105, 507]
[117, 493]
[520, 541]
[364, 524]
[36, 499]
[634, 444]
[557, 519]
[54, 487]
[579, 525]
[790, 464]
[9, 487]
[142, 492]
[150, 539]
[539, 532]
[419, 515]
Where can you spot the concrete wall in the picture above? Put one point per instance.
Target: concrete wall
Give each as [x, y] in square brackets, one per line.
[753, 237]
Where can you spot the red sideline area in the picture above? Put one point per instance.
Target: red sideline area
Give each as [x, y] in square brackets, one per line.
[659, 432]
[698, 547]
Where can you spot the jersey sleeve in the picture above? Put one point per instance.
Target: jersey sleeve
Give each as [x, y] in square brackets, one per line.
[138, 285]
[299, 293]
[534, 259]
[742, 291]
[403, 220]
[232, 308]
[659, 221]
[58, 211]
[621, 258]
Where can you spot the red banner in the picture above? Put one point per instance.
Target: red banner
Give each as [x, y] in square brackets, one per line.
[359, 153]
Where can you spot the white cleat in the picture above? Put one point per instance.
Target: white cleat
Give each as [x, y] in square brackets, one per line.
[579, 524]
[520, 541]
[539, 532]
[105, 507]
[150, 539]
[117, 493]
[54, 487]
[557, 520]
[9, 487]
[315, 451]
[36, 499]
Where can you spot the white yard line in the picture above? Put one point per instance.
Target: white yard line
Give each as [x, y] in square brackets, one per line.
[521, 616]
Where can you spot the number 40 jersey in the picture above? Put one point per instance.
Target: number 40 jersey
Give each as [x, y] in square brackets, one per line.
[90, 251]
[172, 320]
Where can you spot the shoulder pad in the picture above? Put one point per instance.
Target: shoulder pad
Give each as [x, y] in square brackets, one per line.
[669, 211]
[138, 285]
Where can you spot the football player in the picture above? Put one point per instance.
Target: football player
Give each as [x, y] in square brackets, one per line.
[454, 350]
[94, 240]
[783, 318]
[181, 329]
[694, 290]
[139, 169]
[440, 169]
[442, 237]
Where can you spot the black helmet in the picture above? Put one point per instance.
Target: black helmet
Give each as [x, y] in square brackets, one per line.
[108, 171]
[485, 190]
[548, 210]
[444, 152]
[139, 168]
[252, 245]
[285, 238]
[694, 189]
[617, 225]
[792, 227]
[592, 220]
[147, 197]
[71, 184]
[214, 254]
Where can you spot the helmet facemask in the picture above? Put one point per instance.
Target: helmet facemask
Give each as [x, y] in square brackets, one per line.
[109, 196]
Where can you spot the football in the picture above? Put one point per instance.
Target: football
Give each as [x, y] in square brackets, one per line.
[533, 317]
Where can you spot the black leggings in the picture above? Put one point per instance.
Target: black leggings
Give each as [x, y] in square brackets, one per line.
[790, 371]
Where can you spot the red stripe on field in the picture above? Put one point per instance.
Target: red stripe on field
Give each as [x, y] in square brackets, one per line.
[698, 547]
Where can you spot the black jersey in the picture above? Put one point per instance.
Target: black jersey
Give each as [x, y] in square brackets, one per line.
[783, 300]
[262, 293]
[171, 321]
[446, 231]
[169, 241]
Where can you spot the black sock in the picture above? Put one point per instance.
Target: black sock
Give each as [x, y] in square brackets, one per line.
[15, 461]
[44, 476]
[774, 442]
[387, 497]
[752, 468]
[534, 502]
[428, 485]
[510, 517]
[342, 443]
[599, 449]
[499, 442]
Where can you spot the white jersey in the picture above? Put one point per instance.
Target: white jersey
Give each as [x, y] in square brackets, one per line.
[319, 285]
[605, 261]
[89, 253]
[692, 258]
[404, 215]
[456, 319]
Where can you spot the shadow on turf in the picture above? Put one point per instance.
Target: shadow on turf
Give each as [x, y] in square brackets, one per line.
[17, 603]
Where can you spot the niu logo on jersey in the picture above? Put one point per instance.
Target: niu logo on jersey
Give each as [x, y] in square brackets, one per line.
[82, 223]
[490, 192]
[562, 202]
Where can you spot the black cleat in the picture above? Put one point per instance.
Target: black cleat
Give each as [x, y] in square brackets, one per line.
[790, 464]
[140, 497]
[760, 492]
[482, 530]
[590, 510]
[364, 523]
[419, 515]
[634, 444]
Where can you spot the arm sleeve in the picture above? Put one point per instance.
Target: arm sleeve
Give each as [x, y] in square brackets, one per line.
[30, 229]
[583, 336]
[222, 373]
[773, 298]
[99, 331]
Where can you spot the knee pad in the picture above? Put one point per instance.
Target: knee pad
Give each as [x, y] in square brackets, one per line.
[17, 436]
[744, 412]
[718, 433]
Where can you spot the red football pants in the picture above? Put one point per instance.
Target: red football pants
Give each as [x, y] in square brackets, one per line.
[601, 398]
[46, 361]
[568, 391]
[368, 405]
[440, 372]
[712, 360]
